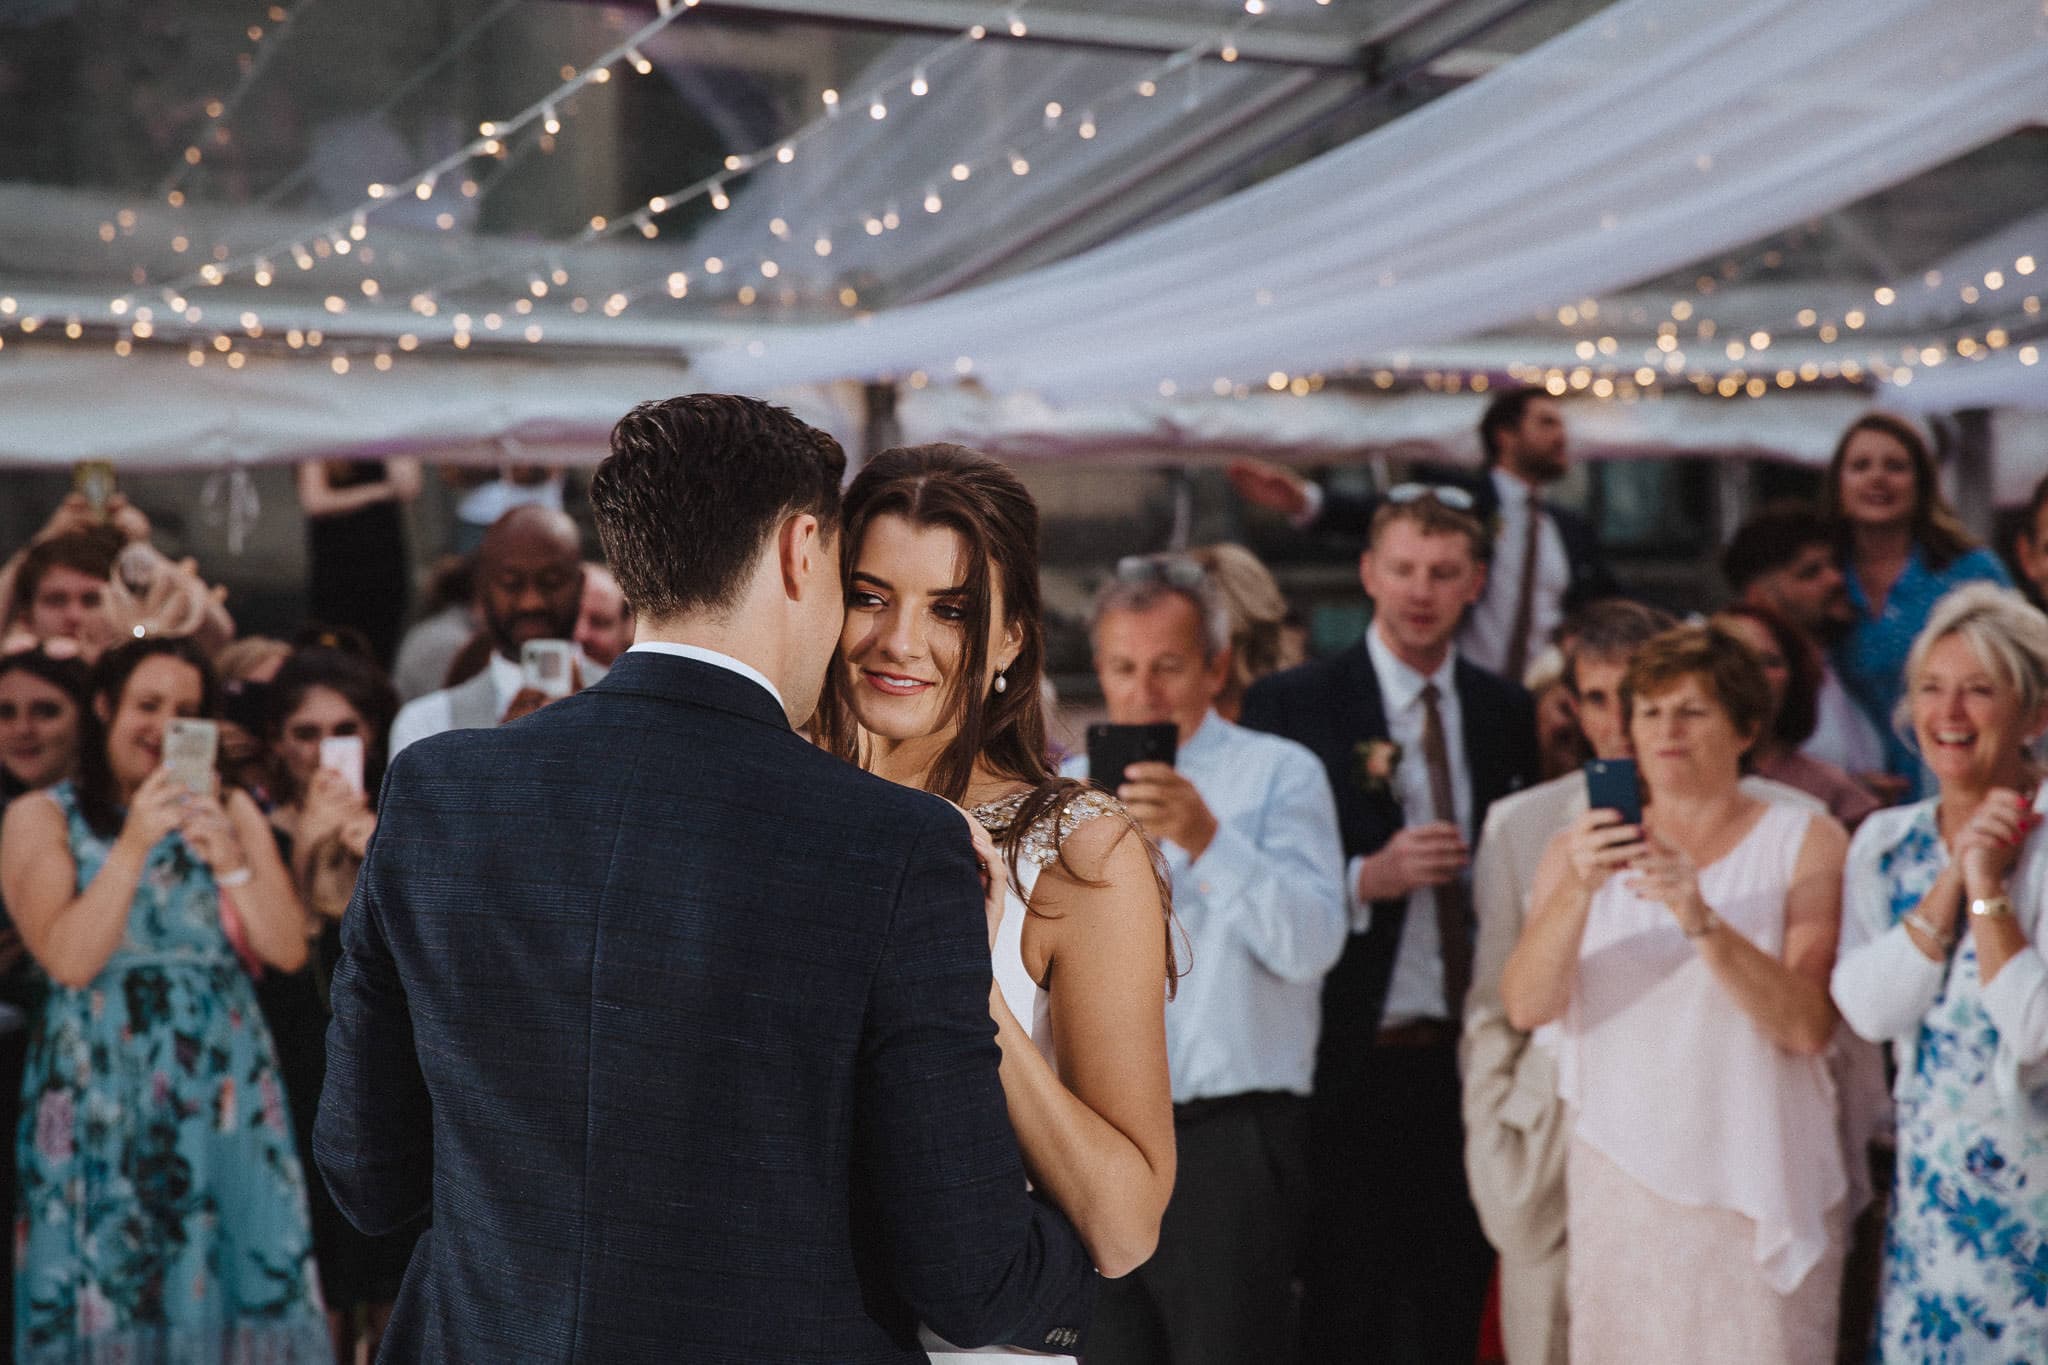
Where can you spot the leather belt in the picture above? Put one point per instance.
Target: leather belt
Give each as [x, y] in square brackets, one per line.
[1418, 1033]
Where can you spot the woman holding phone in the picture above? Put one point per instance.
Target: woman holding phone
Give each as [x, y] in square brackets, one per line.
[331, 707]
[162, 1211]
[936, 686]
[1687, 959]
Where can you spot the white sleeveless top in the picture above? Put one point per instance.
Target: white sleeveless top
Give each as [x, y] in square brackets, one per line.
[1676, 1085]
[1025, 997]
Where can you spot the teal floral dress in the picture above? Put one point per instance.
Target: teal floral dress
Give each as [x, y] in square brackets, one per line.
[1966, 1248]
[162, 1208]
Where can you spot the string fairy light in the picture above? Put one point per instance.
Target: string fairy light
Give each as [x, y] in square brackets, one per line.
[265, 45]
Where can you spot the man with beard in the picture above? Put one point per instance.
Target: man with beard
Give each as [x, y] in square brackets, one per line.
[1544, 561]
[529, 585]
[1784, 559]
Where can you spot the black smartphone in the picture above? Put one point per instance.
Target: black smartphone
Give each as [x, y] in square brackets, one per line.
[1113, 748]
[1612, 784]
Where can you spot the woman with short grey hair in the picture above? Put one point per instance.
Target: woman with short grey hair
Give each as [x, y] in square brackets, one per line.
[1944, 904]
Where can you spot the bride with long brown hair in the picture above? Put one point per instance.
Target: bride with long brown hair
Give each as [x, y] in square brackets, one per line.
[936, 686]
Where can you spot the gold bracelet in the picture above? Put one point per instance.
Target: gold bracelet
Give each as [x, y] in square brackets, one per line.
[1991, 907]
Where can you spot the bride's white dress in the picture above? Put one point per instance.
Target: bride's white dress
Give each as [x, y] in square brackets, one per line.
[1026, 1000]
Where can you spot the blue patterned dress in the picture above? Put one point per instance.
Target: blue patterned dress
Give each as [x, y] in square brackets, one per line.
[1966, 1248]
[162, 1214]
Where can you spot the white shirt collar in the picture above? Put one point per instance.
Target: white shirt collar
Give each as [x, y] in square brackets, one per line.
[1400, 685]
[712, 657]
[1511, 490]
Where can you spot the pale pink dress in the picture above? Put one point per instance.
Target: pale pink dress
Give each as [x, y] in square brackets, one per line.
[1706, 1185]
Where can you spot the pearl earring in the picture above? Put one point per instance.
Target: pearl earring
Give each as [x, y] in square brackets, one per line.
[1002, 683]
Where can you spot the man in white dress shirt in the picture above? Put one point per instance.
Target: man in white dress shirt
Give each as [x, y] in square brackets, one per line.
[1784, 559]
[1249, 831]
[530, 586]
[1543, 561]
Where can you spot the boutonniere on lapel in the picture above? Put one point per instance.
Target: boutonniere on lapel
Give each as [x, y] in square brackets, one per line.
[1375, 761]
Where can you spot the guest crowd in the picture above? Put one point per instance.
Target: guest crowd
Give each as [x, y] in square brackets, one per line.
[1745, 1059]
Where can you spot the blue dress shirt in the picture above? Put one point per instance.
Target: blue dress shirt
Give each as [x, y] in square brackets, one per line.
[1871, 659]
[1263, 913]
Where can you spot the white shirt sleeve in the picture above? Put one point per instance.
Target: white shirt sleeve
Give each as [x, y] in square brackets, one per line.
[1883, 984]
[1279, 878]
[418, 718]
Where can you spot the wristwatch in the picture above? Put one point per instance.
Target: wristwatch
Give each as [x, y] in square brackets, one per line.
[1991, 907]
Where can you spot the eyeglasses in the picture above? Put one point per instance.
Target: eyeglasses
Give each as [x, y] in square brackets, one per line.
[1450, 495]
[1174, 570]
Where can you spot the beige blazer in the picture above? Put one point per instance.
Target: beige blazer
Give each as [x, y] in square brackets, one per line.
[1516, 1131]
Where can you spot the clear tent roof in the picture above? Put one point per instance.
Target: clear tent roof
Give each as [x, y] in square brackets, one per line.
[504, 175]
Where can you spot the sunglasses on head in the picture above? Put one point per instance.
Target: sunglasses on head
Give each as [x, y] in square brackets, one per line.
[1175, 570]
[1450, 495]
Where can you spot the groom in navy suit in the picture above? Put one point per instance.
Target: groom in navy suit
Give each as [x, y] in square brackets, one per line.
[677, 1026]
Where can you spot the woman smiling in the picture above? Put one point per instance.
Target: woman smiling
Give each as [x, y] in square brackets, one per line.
[1941, 958]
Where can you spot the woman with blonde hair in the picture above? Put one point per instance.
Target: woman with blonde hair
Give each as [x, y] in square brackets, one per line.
[1942, 958]
[1260, 642]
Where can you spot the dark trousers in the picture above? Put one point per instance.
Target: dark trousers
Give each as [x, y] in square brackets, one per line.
[1220, 1288]
[1396, 1267]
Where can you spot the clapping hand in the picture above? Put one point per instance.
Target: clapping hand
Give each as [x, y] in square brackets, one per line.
[1990, 842]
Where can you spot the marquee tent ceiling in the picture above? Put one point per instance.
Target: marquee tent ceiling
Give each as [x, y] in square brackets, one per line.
[1083, 204]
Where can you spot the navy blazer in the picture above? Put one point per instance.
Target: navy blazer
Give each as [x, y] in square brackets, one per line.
[679, 1027]
[1333, 706]
[1350, 514]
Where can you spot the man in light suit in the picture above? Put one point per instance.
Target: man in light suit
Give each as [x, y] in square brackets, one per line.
[1516, 1130]
[677, 1025]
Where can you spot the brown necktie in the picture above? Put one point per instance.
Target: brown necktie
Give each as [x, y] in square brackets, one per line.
[1525, 594]
[1453, 898]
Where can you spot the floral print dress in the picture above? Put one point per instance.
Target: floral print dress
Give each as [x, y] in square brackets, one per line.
[162, 1208]
[1966, 1248]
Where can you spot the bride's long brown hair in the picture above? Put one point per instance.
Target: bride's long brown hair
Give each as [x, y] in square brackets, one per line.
[982, 502]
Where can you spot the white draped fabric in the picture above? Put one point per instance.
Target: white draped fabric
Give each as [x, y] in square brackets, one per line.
[1653, 134]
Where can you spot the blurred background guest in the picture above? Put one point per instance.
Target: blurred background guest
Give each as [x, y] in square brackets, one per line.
[245, 669]
[1792, 666]
[1249, 831]
[1708, 1225]
[1783, 559]
[1558, 734]
[2030, 544]
[604, 620]
[59, 594]
[357, 569]
[1260, 642]
[1902, 549]
[163, 1208]
[432, 642]
[530, 587]
[1941, 958]
[42, 704]
[324, 816]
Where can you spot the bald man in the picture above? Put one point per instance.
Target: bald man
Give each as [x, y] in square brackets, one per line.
[604, 628]
[529, 586]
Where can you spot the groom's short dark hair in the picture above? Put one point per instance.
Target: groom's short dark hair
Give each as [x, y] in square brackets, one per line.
[693, 485]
